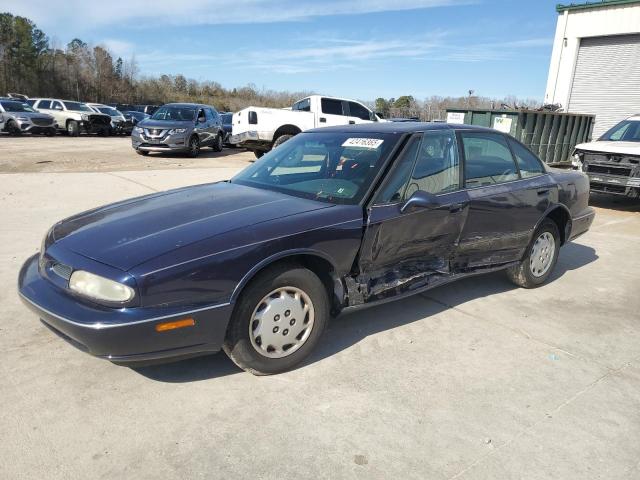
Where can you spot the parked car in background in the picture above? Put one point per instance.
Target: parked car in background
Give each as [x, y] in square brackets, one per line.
[73, 117]
[119, 124]
[134, 116]
[334, 219]
[17, 117]
[227, 122]
[179, 127]
[261, 129]
[613, 161]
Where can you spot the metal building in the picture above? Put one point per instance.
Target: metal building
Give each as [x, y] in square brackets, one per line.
[595, 64]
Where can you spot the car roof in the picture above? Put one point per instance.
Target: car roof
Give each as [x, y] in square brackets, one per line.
[399, 127]
[187, 105]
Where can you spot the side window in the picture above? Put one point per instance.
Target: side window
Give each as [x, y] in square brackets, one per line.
[331, 106]
[528, 163]
[209, 115]
[56, 105]
[359, 111]
[437, 168]
[396, 182]
[46, 104]
[201, 115]
[303, 105]
[488, 159]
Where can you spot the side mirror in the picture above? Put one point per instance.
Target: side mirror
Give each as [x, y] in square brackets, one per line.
[420, 199]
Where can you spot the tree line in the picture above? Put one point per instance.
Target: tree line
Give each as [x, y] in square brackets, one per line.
[32, 64]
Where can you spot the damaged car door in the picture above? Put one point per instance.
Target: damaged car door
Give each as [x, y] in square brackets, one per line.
[415, 219]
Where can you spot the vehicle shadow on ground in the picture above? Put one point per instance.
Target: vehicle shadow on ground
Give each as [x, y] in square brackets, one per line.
[612, 202]
[204, 153]
[349, 329]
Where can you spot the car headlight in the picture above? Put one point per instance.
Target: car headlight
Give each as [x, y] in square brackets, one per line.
[137, 129]
[84, 117]
[177, 130]
[576, 162]
[100, 288]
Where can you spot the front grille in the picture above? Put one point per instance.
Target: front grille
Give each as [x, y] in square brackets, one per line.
[606, 188]
[609, 170]
[42, 122]
[154, 132]
[62, 270]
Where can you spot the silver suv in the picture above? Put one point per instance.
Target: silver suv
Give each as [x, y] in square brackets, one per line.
[17, 117]
[179, 127]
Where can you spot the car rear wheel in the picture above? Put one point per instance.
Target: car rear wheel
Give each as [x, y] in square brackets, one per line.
[73, 129]
[278, 320]
[281, 139]
[217, 145]
[194, 147]
[13, 128]
[540, 259]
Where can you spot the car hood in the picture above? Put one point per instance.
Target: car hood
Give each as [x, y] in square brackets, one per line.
[606, 146]
[32, 115]
[164, 124]
[131, 232]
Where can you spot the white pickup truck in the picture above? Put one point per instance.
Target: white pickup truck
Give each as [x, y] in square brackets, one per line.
[261, 129]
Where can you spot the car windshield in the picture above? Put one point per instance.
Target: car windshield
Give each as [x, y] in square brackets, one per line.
[77, 107]
[174, 113]
[626, 131]
[16, 107]
[331, 167]
[112, 112]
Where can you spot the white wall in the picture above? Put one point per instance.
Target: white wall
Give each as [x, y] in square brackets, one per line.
[574, 25]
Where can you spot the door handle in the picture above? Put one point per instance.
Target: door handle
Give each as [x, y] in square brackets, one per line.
[352, 122]
[323, 120]
[543, 191]
[455, 207]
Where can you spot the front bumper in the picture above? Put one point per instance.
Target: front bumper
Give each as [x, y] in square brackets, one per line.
[614, 184]
[169, 143]
[29, 127]
[126, 334]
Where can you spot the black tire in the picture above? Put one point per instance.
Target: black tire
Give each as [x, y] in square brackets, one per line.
[280, 140]
[194, 147]
[218, 144]
[523, 274]
[13, 129]
[258, 153]
[144, 153]
[238, 343]
[73, 129]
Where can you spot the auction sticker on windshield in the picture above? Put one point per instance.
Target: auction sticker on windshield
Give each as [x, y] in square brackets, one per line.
[371, 143]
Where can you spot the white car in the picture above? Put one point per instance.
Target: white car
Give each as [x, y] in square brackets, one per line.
[72, 117]
[261, 129]
[613, 161]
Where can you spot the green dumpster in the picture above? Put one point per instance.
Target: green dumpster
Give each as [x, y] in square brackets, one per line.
[551, 135]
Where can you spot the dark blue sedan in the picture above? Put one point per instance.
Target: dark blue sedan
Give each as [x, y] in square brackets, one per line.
[334, 219]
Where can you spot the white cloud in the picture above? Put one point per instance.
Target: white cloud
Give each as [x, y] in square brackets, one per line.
[118, 48]
[82, 15]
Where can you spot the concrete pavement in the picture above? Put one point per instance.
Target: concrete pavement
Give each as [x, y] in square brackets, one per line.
[475, 380]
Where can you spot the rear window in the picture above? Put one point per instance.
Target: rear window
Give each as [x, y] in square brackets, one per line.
[331, 106]
[488, 160]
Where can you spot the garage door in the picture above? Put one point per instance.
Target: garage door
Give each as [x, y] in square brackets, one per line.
[607, 80]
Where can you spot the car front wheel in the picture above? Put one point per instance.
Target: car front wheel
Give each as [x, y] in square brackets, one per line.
[540, 259]
[278, 320]
[217, 145]
[194, 147]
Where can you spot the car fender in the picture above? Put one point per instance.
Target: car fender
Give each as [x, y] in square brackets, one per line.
[277, 257]
[553, 207]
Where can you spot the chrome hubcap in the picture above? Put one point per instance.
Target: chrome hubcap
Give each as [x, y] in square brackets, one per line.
[282, 322]
[542, 254]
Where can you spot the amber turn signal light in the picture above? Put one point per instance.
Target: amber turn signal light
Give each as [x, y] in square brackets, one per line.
[187, 322]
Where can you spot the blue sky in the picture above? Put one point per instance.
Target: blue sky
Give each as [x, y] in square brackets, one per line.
[355, 48]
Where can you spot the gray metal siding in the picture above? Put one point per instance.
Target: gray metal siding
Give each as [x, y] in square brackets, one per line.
[606, 81]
